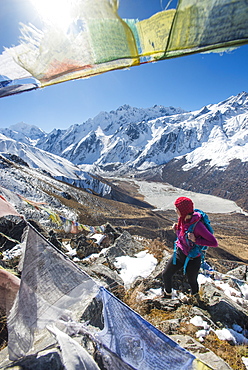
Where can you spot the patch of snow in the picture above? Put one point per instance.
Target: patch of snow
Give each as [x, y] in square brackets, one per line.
[98, 238]
[229, 291]
[231, 336]
[198, 321]
[130, 267]
[201, 334]
[16, 251]
[245, 362]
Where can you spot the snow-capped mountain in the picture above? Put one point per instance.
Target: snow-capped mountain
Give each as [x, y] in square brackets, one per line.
[28, 134]
[103, 139]
[135, 139]
[103, 127]
[144, 138]
[48, 163]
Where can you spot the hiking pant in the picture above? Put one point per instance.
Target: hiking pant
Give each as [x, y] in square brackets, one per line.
[192, 270]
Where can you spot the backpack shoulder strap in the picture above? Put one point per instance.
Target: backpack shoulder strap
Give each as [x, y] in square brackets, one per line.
[205, 220]
[192, 227]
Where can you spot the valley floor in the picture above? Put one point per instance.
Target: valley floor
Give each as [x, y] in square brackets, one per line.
[162, 196]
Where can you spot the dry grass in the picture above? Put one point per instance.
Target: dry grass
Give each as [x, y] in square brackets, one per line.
[158, 317]
[241, 249]
[157, 247]
[132, 299]
[230, 353]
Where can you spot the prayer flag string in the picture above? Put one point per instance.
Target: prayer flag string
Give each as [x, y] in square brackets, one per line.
[96, 40]
[69, 226]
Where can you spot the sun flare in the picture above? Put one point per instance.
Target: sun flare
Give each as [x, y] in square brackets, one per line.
[56, 12]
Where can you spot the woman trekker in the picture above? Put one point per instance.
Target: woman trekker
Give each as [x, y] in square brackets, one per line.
[201, 236]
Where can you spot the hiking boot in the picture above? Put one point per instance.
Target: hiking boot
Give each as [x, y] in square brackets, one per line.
[191, 299]
[185, 298]
[167, 295]
[196, 300]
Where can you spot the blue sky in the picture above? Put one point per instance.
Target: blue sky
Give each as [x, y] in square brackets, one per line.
[188, 82]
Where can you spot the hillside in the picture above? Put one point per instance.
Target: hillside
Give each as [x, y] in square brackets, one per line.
[223, 306]
[129, 211]
[134, 226]
[72, 202]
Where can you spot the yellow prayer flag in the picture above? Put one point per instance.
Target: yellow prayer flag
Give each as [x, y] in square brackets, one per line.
[154, 33]
[206, 25]
[199, 365]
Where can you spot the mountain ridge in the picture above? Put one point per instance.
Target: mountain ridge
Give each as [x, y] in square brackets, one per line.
[136, 141]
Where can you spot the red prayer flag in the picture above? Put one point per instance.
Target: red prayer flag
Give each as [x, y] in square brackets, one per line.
[6, 208]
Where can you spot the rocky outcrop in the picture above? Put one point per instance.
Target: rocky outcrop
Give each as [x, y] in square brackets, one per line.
[223, 309]
[84, 246]
[240, 272]
[124, 245]
[13, 228]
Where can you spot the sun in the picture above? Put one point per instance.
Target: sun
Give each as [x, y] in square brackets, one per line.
[55, 12]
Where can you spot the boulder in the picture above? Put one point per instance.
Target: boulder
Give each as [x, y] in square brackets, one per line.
[13, 229]
[84, 246]
[241, 273]
[93, 314]
[222, 308]
[108, 278]
[112, 232]
[124, 245]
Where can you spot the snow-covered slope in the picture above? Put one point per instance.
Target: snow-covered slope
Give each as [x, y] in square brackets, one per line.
[55, 166]
[143, 138]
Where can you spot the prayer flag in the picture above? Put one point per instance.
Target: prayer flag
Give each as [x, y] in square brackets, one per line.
[207, 25]
[9, 286]
[50, 284]
[137, 342]
[96, 39]
[6, 208]
[74, 356]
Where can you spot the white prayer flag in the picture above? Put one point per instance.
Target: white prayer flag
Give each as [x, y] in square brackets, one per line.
[50, 284]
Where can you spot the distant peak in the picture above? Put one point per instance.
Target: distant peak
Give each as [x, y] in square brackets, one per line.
[19, 125]
[124, 107]
[22, 126]
[240, 97]
[243, 93]
[30, 131]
